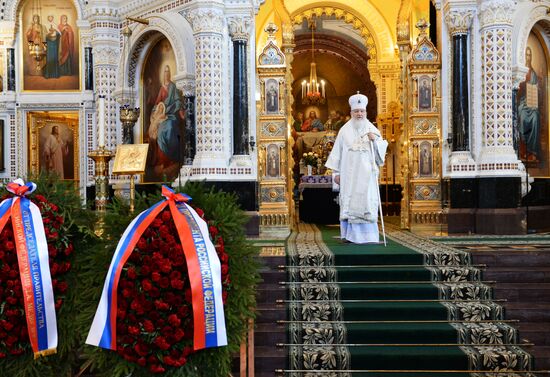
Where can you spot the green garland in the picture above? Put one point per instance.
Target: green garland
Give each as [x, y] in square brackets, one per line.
[222, 210]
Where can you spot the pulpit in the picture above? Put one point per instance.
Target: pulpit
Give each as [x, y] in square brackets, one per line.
[318, 203]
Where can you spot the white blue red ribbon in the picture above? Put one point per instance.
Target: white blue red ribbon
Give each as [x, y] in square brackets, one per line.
[34, 267]
[203, 266]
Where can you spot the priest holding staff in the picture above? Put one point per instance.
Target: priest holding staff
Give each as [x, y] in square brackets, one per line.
[355, 160]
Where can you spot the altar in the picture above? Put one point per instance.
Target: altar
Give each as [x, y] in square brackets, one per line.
[318, 203]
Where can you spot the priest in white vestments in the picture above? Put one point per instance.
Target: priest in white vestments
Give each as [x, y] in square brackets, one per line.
[356, 172]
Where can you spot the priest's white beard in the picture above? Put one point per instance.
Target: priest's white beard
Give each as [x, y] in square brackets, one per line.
[359, 124]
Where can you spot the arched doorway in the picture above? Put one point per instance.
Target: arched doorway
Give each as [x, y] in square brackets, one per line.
[341, 59]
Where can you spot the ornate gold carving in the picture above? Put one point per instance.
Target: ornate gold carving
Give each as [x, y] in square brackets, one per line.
[288, 34]
[239, 28]
[459, 20]
[493, 12]
[344, 15]
[403, 25]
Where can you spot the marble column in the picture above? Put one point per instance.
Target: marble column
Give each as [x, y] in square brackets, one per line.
[11, 69]
[459, 22]
[106, 52]
[238, 28]
[497, 152]
[190, 129]
[89, 69]
[207, 25]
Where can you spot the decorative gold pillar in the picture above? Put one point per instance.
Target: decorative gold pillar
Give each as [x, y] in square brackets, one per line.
[288, 50]
[422, 142]
[273, 134]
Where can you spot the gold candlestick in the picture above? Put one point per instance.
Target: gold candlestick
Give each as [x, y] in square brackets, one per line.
[101, 156]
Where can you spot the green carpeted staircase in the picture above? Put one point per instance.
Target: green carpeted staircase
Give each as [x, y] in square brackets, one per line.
[413, 308]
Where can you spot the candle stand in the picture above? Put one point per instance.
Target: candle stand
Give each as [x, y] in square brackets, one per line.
[101, 157]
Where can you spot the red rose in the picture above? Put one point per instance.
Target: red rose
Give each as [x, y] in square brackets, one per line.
[213, 231]
[161, 305]
[177, 284]
[120, 314]
[164, 282]
[142, 244]
[142, 349]
[146, 285]
[62, 286]
[155, 368]
[174, 320]
[145, 270]
[178, 334]
[175, 275]
[40, 198]
[199, 212]
[166, 216]
[148, 326]
[132, 274]
[155, 276]
[154, 292]
[225, 270]
[69, 249]
[161, 343]
[133, 330]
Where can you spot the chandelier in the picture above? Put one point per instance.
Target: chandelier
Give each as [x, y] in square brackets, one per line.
[313, 91]
[36, 35]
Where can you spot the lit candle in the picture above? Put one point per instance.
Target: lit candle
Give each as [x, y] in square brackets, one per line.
[101, 122]
[307, 88]
[317, 88]
[322, 88]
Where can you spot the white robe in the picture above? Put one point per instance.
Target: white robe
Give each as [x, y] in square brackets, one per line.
[352, 159]
[54, 150]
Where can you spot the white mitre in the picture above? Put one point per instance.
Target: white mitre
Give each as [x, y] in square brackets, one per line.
[358, 101]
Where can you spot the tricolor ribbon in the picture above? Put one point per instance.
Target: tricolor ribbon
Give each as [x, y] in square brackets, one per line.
[34, 266]
[203, 266]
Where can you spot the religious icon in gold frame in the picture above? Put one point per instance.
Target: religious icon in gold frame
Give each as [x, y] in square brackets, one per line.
[130, 158]
[425, 94]
[50, 46]
[53, 143]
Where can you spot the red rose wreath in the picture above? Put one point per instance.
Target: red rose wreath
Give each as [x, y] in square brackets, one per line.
[154, 311]
[14, 339]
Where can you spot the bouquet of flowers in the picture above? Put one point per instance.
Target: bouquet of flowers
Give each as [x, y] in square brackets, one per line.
[311, 159]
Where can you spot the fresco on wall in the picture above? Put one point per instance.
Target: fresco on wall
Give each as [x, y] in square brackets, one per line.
[163, 115]
[532, 109]
[50, 45]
